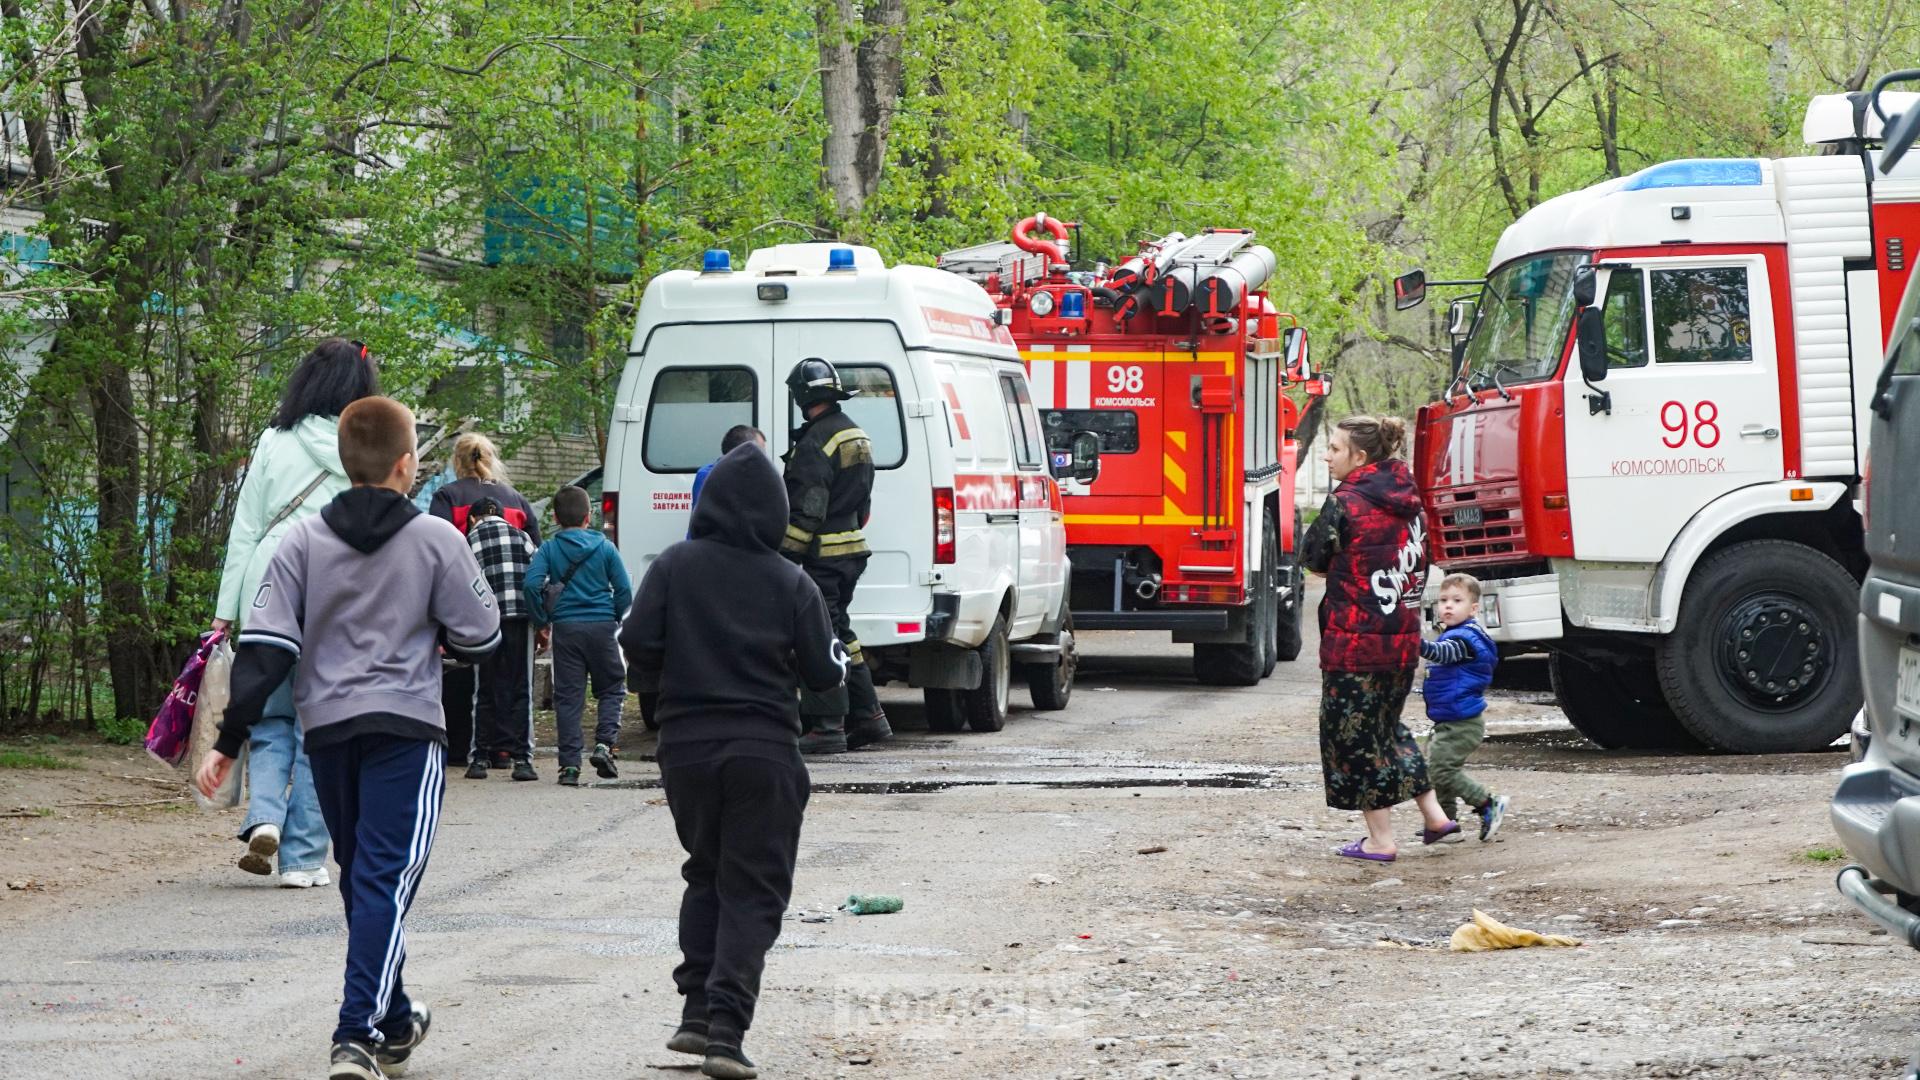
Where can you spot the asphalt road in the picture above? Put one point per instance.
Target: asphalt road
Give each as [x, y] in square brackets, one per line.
[1037, 937]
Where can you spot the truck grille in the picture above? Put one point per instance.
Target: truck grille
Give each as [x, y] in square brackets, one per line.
[1479, 524]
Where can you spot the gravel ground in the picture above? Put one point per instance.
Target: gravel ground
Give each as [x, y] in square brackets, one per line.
[1037, 939]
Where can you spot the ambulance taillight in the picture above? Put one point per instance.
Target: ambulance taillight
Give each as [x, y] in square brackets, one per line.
[610, 515]
[944, 533]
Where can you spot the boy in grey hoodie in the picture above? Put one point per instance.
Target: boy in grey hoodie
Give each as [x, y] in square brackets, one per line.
[364, 597]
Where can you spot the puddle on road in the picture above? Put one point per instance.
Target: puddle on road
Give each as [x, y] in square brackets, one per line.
[1263, 778]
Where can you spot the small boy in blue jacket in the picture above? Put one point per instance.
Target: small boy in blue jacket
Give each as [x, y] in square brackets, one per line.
[1460, 668]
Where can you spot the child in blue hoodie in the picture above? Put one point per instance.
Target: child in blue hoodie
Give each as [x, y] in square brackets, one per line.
[591, 595]
[1460, 668]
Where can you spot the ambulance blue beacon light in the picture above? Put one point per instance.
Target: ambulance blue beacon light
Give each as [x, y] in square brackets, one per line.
[1696, 172]
[716, 261]
[840, 260]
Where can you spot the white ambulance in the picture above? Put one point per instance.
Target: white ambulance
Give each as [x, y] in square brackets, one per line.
[966, 588]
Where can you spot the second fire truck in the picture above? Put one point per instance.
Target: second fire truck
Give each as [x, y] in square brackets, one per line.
[1652, 451]
[1175, 364]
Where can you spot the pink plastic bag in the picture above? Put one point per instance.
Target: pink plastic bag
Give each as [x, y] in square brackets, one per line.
[172, 729]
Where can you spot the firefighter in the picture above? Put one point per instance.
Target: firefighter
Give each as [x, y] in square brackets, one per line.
[829, 474]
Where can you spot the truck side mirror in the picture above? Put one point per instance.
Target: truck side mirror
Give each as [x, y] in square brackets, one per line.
[1586, 286]
[1293, 346]
[1086, 457]
[1409, 290]
[1590, 337]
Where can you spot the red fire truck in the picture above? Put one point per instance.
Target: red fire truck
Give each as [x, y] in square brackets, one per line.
[1174, 364]
[1651, 451]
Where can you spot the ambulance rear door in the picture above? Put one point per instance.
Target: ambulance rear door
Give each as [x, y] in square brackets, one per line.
[871, 359]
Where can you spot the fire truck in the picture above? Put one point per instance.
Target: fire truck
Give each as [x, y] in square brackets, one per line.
[1651, 450]
[1173, 365]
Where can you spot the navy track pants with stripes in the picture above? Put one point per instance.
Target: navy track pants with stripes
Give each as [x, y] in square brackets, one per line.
[380, 795]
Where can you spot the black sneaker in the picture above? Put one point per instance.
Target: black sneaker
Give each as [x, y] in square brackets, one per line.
[726, 1062]
[569, 776]
[523, 770]
[393, 1056]
[602, 762]
[477, 769]
[354, 1061]
[690, 1039]
[1491, 815]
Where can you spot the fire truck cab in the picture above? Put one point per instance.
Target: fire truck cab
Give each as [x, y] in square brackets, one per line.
[1651, 450]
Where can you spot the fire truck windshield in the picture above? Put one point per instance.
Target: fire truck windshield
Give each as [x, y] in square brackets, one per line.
[1520, 330]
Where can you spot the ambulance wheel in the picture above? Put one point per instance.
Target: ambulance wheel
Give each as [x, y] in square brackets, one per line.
[1052, 684]
[985, 705]
[1616, 705]
[1765, 659]
[943, 712]
[1269, 596]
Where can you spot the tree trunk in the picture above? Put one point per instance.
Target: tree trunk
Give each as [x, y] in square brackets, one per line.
[860, 85]
[132, 656]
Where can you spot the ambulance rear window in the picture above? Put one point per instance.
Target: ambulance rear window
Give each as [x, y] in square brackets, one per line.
[876, 408]
[1119, 429]
[689, 412]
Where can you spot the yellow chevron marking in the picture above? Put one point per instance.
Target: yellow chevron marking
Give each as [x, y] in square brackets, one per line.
[1176, 475]
[1178, 438]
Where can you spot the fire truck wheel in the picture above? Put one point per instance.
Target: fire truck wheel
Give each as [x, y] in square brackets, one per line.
[1269, 595]
[1617, 706]
[943, 712]
[985, 706]
[1286, 620]
[1232, 663]
[1052, 684]
[1764, 659]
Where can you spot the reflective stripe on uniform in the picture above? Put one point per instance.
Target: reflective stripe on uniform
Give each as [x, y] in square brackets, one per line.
[833, 441]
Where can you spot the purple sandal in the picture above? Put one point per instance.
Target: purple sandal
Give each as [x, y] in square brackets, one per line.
[1357, 850]
[1434, 836]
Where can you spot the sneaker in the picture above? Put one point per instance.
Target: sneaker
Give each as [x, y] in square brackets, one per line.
[569, 776]
[523, 770]
[502, 759]
[477, 770]
[602, 762]
[354, 1061]
[690, 1039]
[872, 730]
[393, 1056]
[305, 879]
[726, 1062]
[262, 844]
[823, 742]
[1491, 815]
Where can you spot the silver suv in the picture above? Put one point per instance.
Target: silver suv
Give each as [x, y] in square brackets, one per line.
[1876, 811]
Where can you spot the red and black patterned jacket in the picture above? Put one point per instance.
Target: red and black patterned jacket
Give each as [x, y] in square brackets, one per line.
[1370, 542]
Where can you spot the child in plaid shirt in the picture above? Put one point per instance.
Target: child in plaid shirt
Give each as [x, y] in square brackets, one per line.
[505, 691]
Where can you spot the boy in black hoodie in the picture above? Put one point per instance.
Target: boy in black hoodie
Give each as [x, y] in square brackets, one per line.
[738, 627]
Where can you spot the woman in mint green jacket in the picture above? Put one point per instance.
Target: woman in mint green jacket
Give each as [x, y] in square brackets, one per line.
[294, 471]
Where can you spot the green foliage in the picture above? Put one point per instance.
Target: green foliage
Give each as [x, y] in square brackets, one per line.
[120, 730]
[1824, 854]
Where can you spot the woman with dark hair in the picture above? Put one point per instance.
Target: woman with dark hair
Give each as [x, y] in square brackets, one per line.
[294, 471]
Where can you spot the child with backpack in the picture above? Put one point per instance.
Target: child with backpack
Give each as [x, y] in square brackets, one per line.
[578, 586]
[362, 597]
[505, 679]
[1460, 665]
[724, 630]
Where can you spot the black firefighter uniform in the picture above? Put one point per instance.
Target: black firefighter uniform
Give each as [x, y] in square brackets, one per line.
[830, 495]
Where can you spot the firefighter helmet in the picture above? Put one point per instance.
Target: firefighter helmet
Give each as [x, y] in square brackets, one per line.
[813, 380]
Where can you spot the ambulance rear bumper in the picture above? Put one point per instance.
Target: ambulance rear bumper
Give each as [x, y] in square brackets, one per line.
[1512, 609]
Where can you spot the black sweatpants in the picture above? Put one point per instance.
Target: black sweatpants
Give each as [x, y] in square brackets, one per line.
[458, 705]
[857, 702]
[737, 807]
[504, 721]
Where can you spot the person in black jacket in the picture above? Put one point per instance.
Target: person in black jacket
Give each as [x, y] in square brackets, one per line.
[722, 630]
[830, 496]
